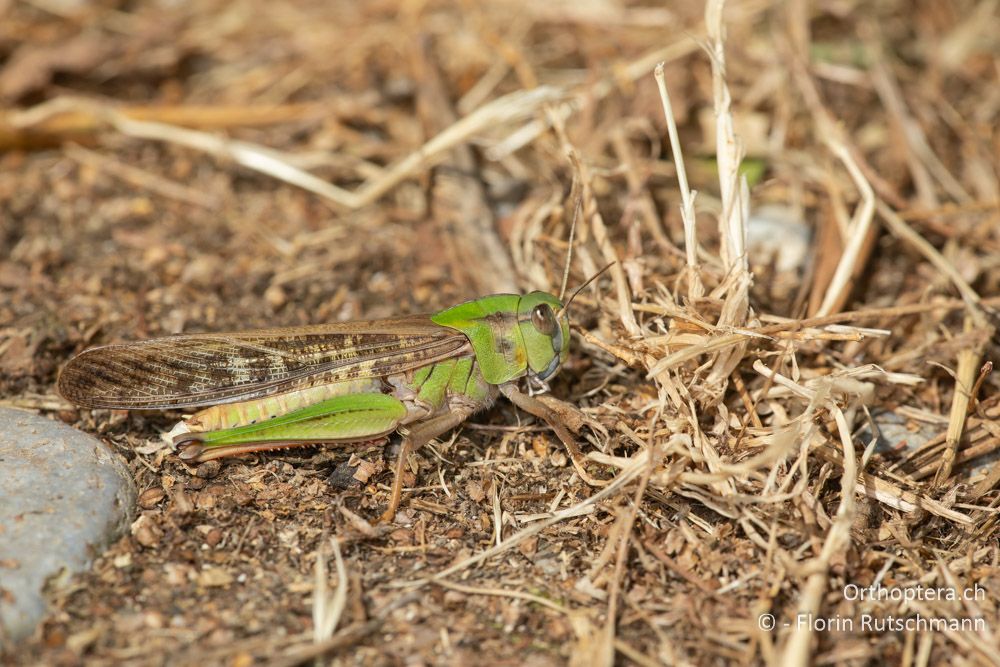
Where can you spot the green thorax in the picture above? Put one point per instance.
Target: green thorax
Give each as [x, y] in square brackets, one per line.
[512, 334]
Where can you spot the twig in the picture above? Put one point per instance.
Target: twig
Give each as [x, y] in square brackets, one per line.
[859, 228]
[901, 230]
[352, 634]
[142, 178]
[638, 465]
[506, 109]
[72, 119]
[965, 375]
[613, 593]
[458, 198]
[328, 608]
[796, 649]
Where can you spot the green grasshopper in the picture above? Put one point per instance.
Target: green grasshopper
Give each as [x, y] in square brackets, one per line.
[350, 382]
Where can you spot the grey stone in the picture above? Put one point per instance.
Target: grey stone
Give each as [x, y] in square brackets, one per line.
[778, 233]
[896, 432]
[64, 496]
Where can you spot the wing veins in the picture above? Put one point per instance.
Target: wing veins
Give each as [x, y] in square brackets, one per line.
[198, 370]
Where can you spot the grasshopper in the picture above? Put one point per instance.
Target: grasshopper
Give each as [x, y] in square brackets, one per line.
[351, 382]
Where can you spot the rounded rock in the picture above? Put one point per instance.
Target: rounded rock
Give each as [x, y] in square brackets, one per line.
[64, 496]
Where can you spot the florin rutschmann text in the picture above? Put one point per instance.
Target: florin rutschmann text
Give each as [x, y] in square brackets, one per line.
[889, 623]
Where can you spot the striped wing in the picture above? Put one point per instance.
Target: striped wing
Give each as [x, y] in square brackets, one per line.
[191, 370]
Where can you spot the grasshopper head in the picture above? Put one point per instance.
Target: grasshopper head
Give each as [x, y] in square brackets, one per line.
[512, 334]
[544, 328]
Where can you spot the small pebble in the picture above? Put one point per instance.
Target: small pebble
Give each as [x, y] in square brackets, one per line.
[475, 491]
[275, 296]
[145, 532]
[209, 469]
[150, 498]
[529, 546]
[213, 538]
[343, 476]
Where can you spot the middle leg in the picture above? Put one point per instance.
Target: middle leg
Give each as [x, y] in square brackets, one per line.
[418, 436]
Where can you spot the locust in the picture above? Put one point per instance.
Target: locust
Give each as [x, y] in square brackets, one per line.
[343, 383]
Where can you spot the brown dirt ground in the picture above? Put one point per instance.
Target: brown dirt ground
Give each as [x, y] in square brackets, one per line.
[109, 236]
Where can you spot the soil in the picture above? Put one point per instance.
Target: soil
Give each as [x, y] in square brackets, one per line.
[108, 234]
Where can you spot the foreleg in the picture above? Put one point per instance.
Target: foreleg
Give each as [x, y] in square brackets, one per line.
[552, 418]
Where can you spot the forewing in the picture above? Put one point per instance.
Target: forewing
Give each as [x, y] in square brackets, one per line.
[192, 370]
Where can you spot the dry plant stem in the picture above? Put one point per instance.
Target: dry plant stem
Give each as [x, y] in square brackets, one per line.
[986, 484]
[506, 109]
[352, 634]
[502, 592]
[328, 608]
[968, 453]
[634, 70]
[639, 464]
[728, 149]
[968, 363]
[620, 559]
[626, 314]
[577, 198]
[497, 513]
[875, 487]
[251, 156]
[635, 656]
[796, 650]
[903, 231]
[748, 404]
[891, 99]
[839, 142]
[926, 456]
[892, 495]
[869, 313]
[695, 288]
[68, 119]
[825, 122]
[922, 214]
[859, 244]
[984, 372]
[639, 195]
[593, 215]
[735, 287]
[694, 351]
[921, 157]
[859, 229]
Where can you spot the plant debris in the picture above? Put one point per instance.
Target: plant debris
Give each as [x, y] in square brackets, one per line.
[220, 166]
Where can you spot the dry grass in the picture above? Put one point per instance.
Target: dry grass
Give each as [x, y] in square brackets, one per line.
[314, 161]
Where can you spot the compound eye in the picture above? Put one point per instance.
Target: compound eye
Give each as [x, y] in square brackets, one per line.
[544, 320]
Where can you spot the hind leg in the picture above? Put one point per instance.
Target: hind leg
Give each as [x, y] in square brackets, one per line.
[343, 419]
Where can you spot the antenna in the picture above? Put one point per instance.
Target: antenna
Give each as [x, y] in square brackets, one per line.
[580, 289]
